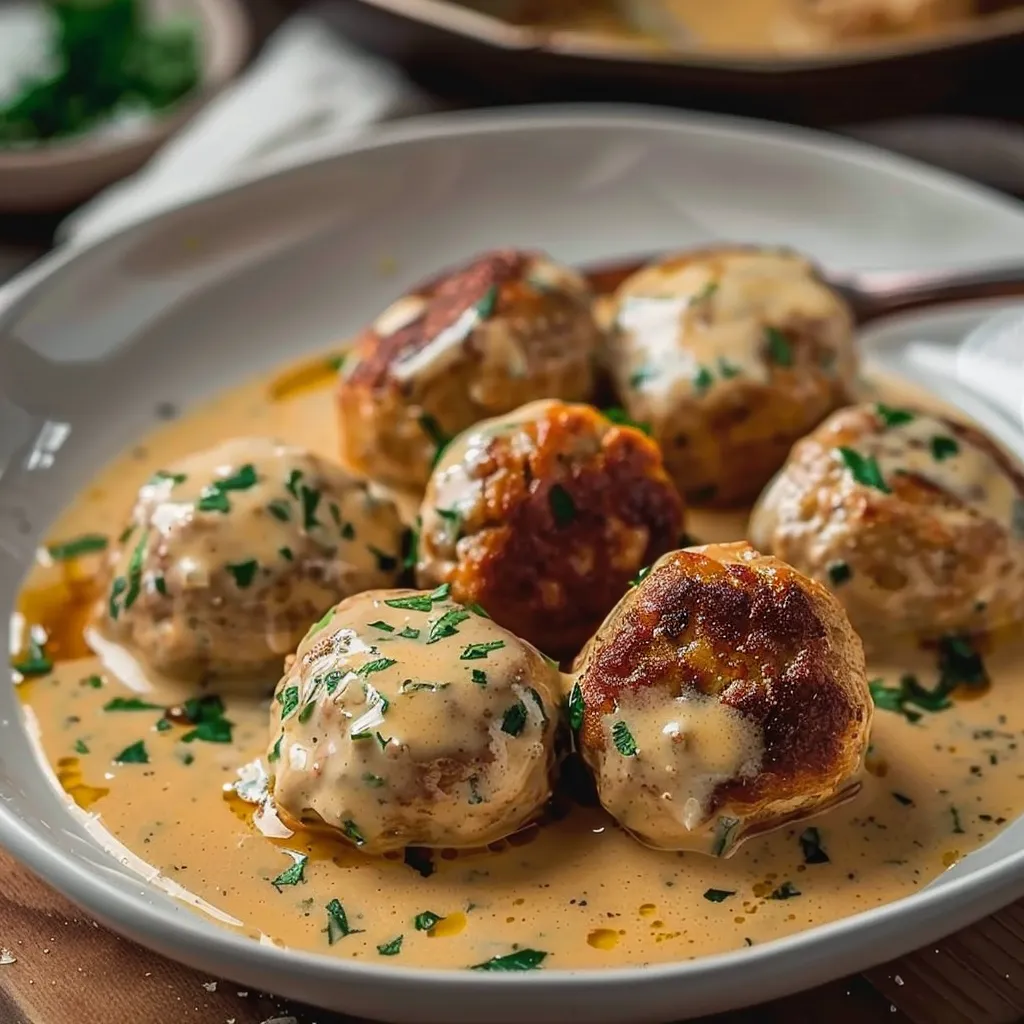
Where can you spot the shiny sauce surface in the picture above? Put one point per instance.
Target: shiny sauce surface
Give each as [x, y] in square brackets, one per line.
[575, 887]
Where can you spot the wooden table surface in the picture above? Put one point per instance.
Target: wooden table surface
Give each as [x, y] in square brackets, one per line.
[57, 966]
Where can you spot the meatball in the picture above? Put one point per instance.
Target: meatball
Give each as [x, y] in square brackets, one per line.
[407, 719]
[723, 697]
[729, 355]
[231, 552]
[507, 328]
[914, 520]
[544, 516]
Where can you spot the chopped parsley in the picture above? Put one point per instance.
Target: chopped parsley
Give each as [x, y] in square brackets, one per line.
[337, 923]
[163, 725]
[135, 571]
[410, 544]
[275, 751]
[479, 677]
[623, 740]
[410, 633]
[958, 829]
[420, 860]
[472, 652]
[810, 844]
[133, 754]
[243, 572]
[446, 625]
[117, 587]
[416, 603]
[893, 417]
[438, 437]
[705, 293]
[93, 682]
[485, 307]
[320, 623]
[377, 665]
[728, 370]
[392, 948]
[718, 895]
[288, 698]
[640, 377]
[131, 704]
[207, 715]
[426, 920]
[724, 829]
[310, 498]
[385, 562]
[280, 510]
[87, 544]
[576, 707]
[291, 875]
[160, 585]
[943, 447]
[563, 508]
[838, 573]
[864, 468]
[441, 593]
[161, 476]
[640, 576]
[910, 698]
[80, 747]
[514, 719]
[214, 498]
[211, 499]
[520, 960]
[239, 481]
[786, 891]
[780, 351]
[373, 781]
[901, 799]
[350, 830]
[382, 625]
[702, 380]
[36, 662]
[960, 664]
[286, 554]
[621, 418]
[291, 485]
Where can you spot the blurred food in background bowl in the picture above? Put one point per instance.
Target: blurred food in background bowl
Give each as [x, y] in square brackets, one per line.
[90, 89]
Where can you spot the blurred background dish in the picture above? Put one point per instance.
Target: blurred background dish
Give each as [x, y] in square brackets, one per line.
[88, 92]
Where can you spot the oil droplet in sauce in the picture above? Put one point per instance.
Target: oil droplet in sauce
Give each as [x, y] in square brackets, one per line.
[603, 938]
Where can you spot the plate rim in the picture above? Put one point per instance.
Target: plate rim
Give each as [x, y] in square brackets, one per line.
[125, 907]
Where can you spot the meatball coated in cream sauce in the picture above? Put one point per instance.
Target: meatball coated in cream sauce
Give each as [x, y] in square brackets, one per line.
[729, 355]
[725, 696]
[231, 552]
[914, 520]
[407, 719]
[507, 328]
[543, 516]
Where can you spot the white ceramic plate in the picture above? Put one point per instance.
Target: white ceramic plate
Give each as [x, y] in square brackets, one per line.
[180, 306]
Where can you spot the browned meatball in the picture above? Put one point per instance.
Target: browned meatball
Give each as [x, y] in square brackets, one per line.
[729, 355]
[507, 328]
[723, 697]
[914, 520]
[232, 551]
[543, 517]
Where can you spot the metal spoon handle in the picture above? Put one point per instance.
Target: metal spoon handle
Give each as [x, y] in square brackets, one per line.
[876, 293]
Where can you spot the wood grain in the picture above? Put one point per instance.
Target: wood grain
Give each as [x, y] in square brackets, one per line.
[67, 969]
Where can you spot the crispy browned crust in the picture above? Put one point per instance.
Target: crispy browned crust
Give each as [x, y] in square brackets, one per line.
[553, 584]
[759, 637]
[449, 295]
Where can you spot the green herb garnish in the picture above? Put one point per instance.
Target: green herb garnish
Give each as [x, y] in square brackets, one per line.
[728, 370]
[958, 829]
[472, 652]
[479, 677]
[207, 715]
[377, 665]
[291, 875]
[520, 960]
[864, 468]
[563, 508]
[433, 430]
[416, 603]
[131, 704]
[162, 476]
[87, 544]
[960, 664]
[409, 633]
[286, 554]
[36, 662]
[485, 307]
[943, 448]
[392, 948]
[337, 923]
[350, 831]
[275, 751]
[117, 587]
[514, 719]
[373, 781]
[80, 747]
[810, 844]
[623, 740]
[160, 585]
[93, 682]
[135, 571]
[640, 377]
[243, 572]
[786, 891]
[280, 510]
[381, 625]
[838, 573]
[779, 349]
[212, 499]
[702, 380]
[621, 418]
[426, 920]
[893, 417]
[576, 706]
[133, 754]
[718, 895]
[725, 827]
[289, 700]
[901, 799]
[446, 625]
[640, 576]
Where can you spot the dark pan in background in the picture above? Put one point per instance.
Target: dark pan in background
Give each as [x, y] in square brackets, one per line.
[477, 59]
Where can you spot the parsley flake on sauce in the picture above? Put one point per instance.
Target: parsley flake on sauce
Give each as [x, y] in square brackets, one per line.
[441, 593]
[211, 499]
[162, 476]
[36, 662]
[291, 875]
[780, 351]
[728, 370]
[485, 306]
[310, 499]
[420, 860]
[437, 436]
[786, 891]
[377, 665]
[93, 682]
[80, 747]
[131, 704]
[514, 719]
[280, 510]
[563, 508]
[576, 707]
[275, 751]
[337, 923]
[702, 380]
[86, 544]
[416, 603]
[810, 845]
[472, 652]
[243, 572]
[117, 587]
[901, 799]
[135, 571]
[718, 895]
[864, 468]
[725, 827]
[291, 485]
[446, 625]
[288, 698]
[943, 448]
[381, 625]
[207, 715]
[838, 573]
[133, 754]
[392, 948]
[623, 740]
[960, 664]
[640, 576]
[350, 830]
[958, 829]
[426, 920]
[320, 623]
[893, 417]
[640, 377]
[621, 418]
[409, 633]
[520, 960]
[910, 698]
